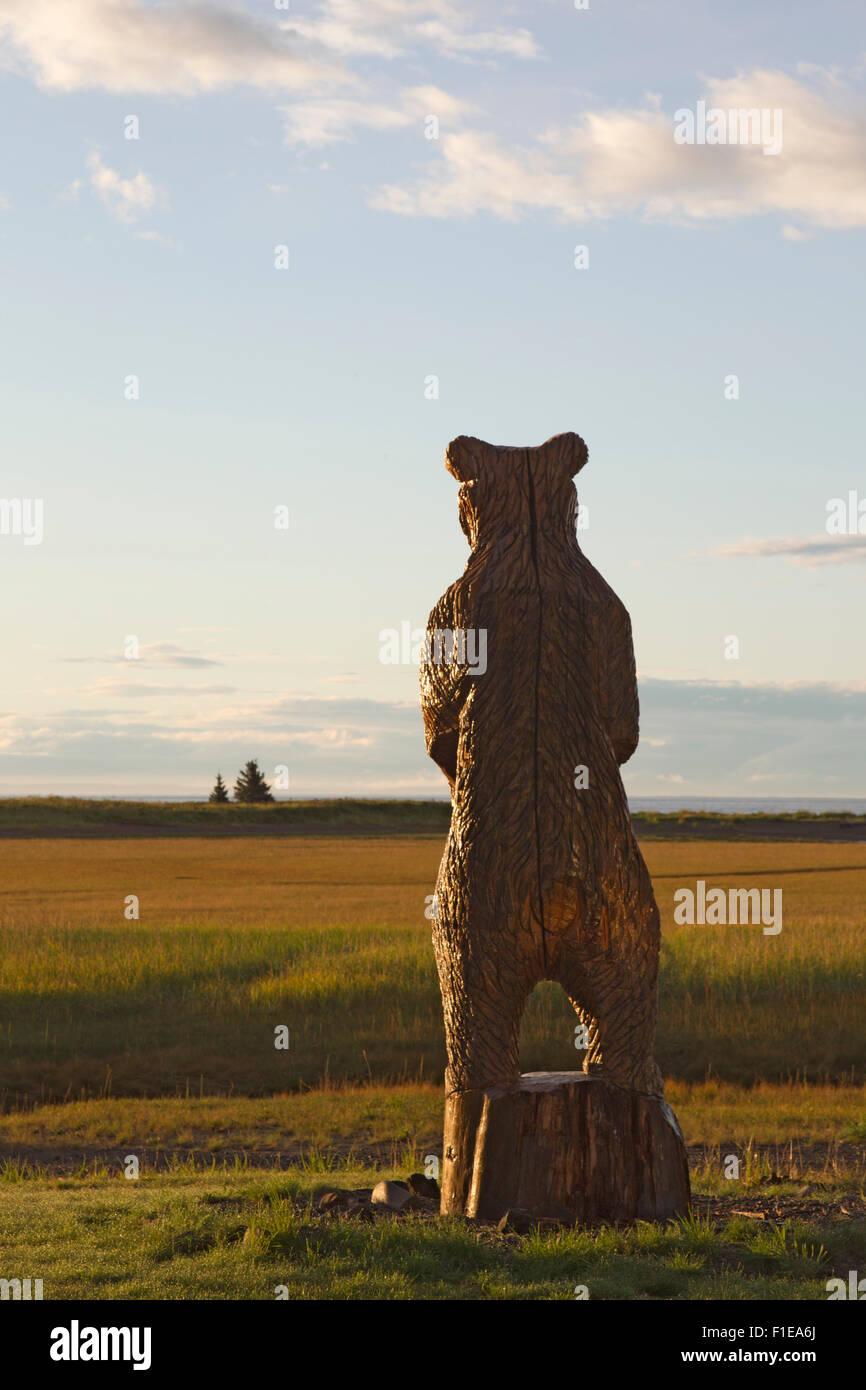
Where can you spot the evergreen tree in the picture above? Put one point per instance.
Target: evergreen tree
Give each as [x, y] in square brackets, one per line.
[220, 790]
[251, 785]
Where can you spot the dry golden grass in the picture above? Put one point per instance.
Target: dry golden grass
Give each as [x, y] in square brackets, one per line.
[345, 1119]
[329, 937]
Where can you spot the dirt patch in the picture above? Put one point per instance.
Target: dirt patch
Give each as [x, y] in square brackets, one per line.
[816, 1164]
[53, 1161]
[774, 1210]
[791, 1162]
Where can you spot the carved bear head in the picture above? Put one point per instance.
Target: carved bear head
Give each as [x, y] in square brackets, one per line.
[507, 492]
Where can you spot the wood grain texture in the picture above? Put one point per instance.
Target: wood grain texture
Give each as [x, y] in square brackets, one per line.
[539, 880]
[574, 1147]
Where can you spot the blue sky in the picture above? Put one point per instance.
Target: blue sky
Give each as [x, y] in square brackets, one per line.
[409, 257]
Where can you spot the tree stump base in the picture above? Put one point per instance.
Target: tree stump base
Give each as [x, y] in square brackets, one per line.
[563, 1145]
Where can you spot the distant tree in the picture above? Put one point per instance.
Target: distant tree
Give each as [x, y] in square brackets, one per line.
[251, 785]
[220, 790]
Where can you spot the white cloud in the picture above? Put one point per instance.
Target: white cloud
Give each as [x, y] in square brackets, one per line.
[475, 173]
[452, 41]
[151, 235]
[208, 627]
[328, 119]
[126, 199]
[605, 163]
[332, 738]
[157, 653]
[614, 162]
[791, 233]
[713, 736]
[805, 550]
[394, 28]
[138, 690]
[170, 654]
[128, 46]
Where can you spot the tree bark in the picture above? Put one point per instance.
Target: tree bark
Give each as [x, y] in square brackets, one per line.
[563, 1145]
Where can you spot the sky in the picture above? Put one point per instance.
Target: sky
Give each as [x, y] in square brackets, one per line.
[260, 264]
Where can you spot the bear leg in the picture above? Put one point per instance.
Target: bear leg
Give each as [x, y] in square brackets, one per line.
[483, 998]
[616, 995]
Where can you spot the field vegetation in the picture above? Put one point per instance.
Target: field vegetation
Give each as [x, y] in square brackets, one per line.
[151, 1032]
[328, 938]
[69, 815]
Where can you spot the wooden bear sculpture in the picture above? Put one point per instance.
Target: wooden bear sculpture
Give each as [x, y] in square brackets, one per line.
[542, 877]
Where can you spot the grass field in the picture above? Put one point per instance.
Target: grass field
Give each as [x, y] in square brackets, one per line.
[86, 816]
[328, 937]
[224, 1204]
[237, 1235]
[157, 1035]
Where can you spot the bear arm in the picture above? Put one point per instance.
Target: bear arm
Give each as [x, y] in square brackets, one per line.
[442, 696]
[443, 751]
[619, 684]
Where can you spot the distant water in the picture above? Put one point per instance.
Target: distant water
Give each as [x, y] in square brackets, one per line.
[743, 805]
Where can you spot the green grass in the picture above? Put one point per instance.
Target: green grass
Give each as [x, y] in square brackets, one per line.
[213, 1227]
[238, 1235]
[48, 815]
[63, 815]
[159, 1033]
[328, 937]
[345, 1119]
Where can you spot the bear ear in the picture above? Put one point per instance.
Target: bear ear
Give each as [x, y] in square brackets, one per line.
[462, 458]
[568, 451]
